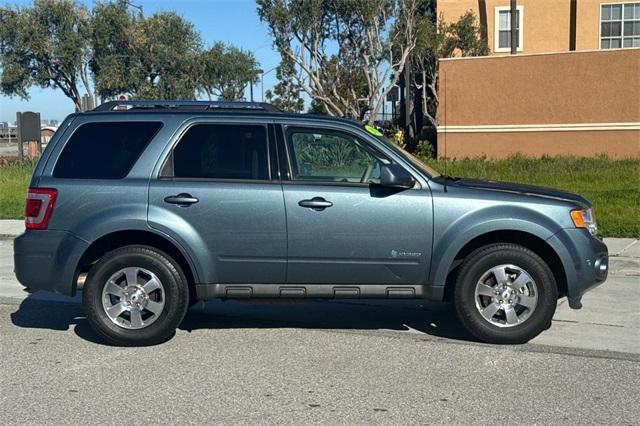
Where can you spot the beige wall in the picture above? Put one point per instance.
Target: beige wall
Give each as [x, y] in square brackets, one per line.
[588, 24]
[584, 103]
[546, 23]
[614, 144]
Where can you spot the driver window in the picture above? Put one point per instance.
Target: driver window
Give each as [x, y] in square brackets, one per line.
[330, 156]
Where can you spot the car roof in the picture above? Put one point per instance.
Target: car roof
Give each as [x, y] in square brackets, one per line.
[213, 108]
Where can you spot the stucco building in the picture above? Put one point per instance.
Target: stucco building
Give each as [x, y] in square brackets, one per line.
[572, 88]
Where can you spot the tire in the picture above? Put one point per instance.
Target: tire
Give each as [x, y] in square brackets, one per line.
[492, 278]
[135, 296]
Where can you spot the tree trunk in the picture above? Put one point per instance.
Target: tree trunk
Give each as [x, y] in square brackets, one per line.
[85, 81]
[409, 130]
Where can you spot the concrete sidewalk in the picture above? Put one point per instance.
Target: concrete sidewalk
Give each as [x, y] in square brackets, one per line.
[624, 252]
[9, 229]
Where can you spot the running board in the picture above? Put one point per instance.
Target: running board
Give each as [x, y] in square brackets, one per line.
[318, 291]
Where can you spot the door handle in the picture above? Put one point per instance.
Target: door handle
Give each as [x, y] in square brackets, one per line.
[316, 203]
[183, 199]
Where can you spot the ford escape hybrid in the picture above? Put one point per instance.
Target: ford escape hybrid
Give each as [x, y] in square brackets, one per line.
[150, 206]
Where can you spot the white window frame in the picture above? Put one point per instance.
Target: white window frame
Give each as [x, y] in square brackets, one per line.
[496, 30]
[621, 28]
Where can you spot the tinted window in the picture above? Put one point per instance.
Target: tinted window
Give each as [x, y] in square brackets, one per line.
[325, 155]
[104, 150]
[217, 151]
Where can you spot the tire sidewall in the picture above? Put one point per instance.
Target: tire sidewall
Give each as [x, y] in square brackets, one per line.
[481, 262]
[175, 293]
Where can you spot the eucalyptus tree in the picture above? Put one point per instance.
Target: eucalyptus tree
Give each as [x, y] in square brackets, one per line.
[346, 51]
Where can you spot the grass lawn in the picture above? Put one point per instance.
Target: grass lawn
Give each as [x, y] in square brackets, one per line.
[613, 186]
[14, 181]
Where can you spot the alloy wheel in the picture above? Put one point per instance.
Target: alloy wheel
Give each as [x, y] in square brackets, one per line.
[133, 298]
[506, 295]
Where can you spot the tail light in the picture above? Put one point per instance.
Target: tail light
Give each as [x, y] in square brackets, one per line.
[39, 207]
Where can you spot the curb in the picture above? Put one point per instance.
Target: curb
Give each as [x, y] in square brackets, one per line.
[626, 266]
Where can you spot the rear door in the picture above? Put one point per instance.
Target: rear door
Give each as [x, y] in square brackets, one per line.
[342, 227]
[216, 194]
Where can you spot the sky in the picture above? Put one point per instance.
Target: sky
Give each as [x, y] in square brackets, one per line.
[231, 21]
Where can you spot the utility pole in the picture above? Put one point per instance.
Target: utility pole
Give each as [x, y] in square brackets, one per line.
[514, 26]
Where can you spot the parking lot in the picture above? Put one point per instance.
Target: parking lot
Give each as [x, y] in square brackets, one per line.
[333, 362]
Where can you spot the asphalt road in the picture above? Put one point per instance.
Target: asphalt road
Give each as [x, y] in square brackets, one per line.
[330, 362]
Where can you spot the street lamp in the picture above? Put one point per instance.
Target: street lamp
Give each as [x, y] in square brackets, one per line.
[262, 74]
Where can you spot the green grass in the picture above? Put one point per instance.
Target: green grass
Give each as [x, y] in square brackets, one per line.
[613, 186]
[14, 181]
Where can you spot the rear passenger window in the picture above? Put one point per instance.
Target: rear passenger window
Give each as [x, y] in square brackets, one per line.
[215, 151]
[105, 150]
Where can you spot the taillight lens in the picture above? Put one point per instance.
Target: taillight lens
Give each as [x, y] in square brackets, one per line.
[39, 207]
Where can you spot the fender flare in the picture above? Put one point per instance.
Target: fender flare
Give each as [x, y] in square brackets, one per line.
[481, 222]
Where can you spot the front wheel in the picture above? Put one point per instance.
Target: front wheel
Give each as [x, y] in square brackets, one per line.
[505, 293]
[135, 296]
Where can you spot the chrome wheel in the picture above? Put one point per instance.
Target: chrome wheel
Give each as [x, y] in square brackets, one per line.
[506, 295]
[133, 298]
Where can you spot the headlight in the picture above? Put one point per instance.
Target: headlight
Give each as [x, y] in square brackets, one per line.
[585, 219]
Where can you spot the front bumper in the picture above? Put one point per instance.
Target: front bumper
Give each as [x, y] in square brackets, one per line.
[585, 260]
[47, 260]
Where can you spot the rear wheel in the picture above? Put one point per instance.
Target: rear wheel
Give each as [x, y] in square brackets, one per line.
[135, 296]
[505, 293]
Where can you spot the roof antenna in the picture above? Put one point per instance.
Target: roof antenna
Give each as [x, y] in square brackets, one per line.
[444, 130]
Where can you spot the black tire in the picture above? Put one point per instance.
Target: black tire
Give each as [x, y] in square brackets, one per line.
[175, 287]
[481, 261]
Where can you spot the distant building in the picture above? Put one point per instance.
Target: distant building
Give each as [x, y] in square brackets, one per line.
[46, 132]
[573, 88]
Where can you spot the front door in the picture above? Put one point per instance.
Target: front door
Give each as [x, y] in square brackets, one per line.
[342, 228]
[216, 195]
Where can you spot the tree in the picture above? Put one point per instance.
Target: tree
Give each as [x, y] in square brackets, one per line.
[112, 50]
[115, 33]
[316, 108]
[45, 45]
[345, 50]
[224, 71]
[166, 46]
[439, 39]
[149, 58]
[286, 94]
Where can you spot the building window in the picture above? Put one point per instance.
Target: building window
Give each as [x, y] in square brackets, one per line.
[619, 25]
[503, 29]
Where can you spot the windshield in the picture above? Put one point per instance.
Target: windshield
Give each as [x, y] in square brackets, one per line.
[416, 162]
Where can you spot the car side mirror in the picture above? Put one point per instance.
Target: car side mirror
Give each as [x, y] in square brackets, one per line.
[395, 176]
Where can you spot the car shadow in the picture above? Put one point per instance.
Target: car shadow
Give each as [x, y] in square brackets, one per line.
[415, 316]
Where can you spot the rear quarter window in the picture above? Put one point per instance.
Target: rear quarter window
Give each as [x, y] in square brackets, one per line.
[105, 150]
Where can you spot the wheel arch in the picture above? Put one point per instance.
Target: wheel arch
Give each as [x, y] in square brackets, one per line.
[113, 240]
[522, 238]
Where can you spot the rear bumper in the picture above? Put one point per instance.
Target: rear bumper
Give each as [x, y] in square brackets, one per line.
[585, 260]
[47, 260]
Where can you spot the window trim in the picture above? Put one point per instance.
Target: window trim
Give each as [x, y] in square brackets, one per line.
[289, 168]
[496, 28]
[183, 131]
[621, 26]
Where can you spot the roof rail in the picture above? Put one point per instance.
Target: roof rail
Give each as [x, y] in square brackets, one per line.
[185, 105]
